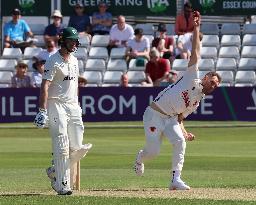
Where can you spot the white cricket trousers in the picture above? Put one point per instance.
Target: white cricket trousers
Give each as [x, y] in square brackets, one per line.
[156, 124]
[66, 129]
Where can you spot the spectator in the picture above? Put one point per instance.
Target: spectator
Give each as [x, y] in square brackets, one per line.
[184, 21]
[46, 53]
[184, 45]
[53, 30]
[101, 20]
[124, 80]
[40, 60]
[164, 43]
[16, 32]
[120, 33]
[36, 78]
[138, 47]
[157, 69]
[80, 21]
[21, 79]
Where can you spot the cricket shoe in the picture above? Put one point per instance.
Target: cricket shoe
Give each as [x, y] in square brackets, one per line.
[178, 185]
[139, 166]
[50, 171]
[65, 192]
[75, 156]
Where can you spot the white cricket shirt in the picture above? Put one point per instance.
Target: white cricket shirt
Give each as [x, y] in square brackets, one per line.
[63, 76]
[121, 35]
[183, 96]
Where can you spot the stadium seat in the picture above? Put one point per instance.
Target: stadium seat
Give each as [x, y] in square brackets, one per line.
[100, 40]
[81, 53]
[148, 28]
[210, 29]
[95, 64]
[249, 29]
[245, 77]
[170, 29]
[243, 84]
[248, 52]
[5, 85]
[150, 38]
[209, 52]
[112, 77]
[84, 41]
[91, 85]
[180, 64]
[225, 84]
[227, 76]
[118, 52]
[136, 76]
[81, 66]
[211, 41]
[12, 53]
[229, 52]
[230, 28]
[7, 64]
[5, 77]
[110, 85]
[98, 52]
[202, 74]
[40, 40]
[247, 64]
[206, 64]
[37, 29]
[65, 21]
[226, 64]
[249, 40]
[231, 40]
[117, 64]
[30, 52]
[93, 77]
[133, 66]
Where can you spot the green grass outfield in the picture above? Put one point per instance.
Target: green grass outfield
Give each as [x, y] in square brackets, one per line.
[220, 157]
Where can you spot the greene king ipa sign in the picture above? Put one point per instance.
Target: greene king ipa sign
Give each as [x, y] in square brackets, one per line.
[225, 7]
[125, 7]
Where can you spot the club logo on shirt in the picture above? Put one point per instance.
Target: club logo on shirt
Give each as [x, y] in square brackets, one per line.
[69, 78]
[185, 97]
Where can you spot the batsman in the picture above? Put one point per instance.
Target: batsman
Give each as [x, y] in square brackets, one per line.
[58, 104]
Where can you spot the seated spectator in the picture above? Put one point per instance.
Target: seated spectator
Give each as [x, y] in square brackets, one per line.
[184, 21]
[157, 69]
[46, 53]
[124, 80]
[120, 33]
[53, 30]
[80, 21]
[184, 45]
[101, 20]
[16, 32]
[21, 79]
[36, 78]
[40, 60]
[170, 79]
[164, 43]
[82, 82]
[138, 47]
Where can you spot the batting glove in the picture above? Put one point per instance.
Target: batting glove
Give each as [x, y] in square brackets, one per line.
[41, 119]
